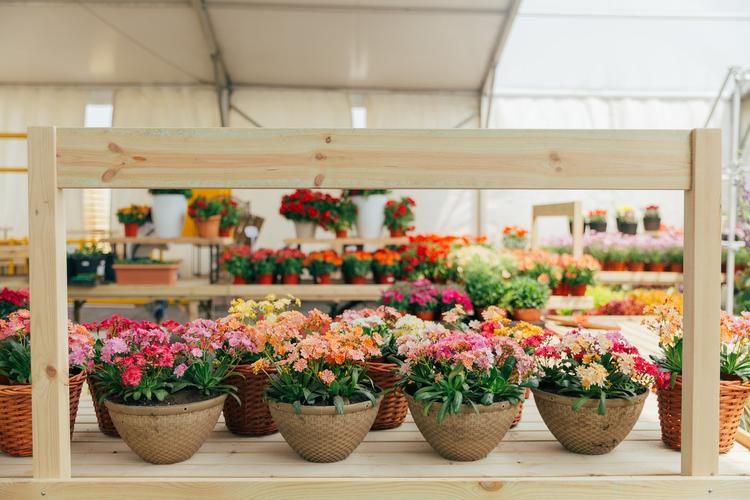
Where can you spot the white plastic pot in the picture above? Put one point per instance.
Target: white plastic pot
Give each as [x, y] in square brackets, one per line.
[168, 214]
[305, 229]
[370, 214]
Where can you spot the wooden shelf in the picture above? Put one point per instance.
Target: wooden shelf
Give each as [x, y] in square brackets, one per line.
[155, 240]
[403, 240]
[570, 302]
[637, 278]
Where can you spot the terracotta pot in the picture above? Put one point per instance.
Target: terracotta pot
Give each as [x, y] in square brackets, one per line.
[464, 436]
[675, 267]
[356, 280]
[652, 224]
[425, 315]
[397, 233]
[614, 266]
[585, 431]
[166, 434]
[290, 279]
[250, 417]
[264, 279]
[239, 280]
[131, 229]
[656, 267]
[578, 290]
[323, 279]
[226, 232]
[562, 289]
[208, 228]
[342, 233]
[319, 433]
[636, 267]
[146, 274]
[529, 315]
[385, 279]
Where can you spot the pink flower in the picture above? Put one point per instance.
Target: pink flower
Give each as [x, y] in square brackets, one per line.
[113, 346]
[132, 376]
[327, 376]
[179, 370]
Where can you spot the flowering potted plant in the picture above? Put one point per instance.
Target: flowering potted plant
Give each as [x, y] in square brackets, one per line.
[13, 300]
[230, 216]
[263, 264]
[548, 274]
[734, 384]
[236, 261]
[637, 257]
[514, 237]
[450, 297]
[399, 216]
[626, 220]
[578, 274]
[339, 216]
[168, 211]
[423, 299]
[651, 218]
[615, 257]
[355, 267]
[15, 378]
[674, 258]
[527, 298]
[592, 390]
[207, 216]
[322, 264]
[486, 288]
[164, 390]
[289, 263]
[370, 205]
[320, 383]
[268, 325]
[304, 207]
[397, 296]
[133, 217]
[385, 265]
[597, 220]
[463, 387]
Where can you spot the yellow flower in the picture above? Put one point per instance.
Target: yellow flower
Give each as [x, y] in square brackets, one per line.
[593, 374]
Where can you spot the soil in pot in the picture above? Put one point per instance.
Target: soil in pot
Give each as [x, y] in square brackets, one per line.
[168, 432]
[527, 314]
[319, 433]
[252, 417]
[464, 436]
[208, 228]
[585, 431]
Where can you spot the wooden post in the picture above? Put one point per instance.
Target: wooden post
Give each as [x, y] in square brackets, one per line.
[49, 314]
[700, 358]
[577, 230]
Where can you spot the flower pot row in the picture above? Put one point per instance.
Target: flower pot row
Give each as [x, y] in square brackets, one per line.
[658, 267]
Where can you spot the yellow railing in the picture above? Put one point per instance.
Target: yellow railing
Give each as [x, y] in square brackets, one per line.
[13, 170]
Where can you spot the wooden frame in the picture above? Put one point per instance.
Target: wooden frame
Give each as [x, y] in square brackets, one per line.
[572, 210]
[487, 159]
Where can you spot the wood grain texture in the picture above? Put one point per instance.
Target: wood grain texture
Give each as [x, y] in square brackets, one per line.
[702, 303]
[572, 210]
[49, 306]
[348, 158]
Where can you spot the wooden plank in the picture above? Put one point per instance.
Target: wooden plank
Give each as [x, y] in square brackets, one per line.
[48, 303]
[571, 209]
[155, 240]
[347, 241]
[577, 230]
[702, 302]
[638, 278]
[345, 158]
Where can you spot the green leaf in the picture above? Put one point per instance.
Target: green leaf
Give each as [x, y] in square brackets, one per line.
[457, 400]
[338, 402]
[580, 402]
[297, 407]
[441, 413]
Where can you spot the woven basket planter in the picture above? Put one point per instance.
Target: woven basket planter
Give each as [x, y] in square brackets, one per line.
[15, 415]
[464, 436]
[166, 434]
[585, 431]
[252, 417]
[102, 414]
[732, 398]
[319, 433]
[393, 407]
[517, 420]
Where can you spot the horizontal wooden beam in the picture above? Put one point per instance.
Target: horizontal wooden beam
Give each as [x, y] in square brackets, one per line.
[629, 487]
[368, 158]
[565, 209]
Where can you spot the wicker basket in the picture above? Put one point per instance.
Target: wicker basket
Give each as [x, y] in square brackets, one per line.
[102, 414]
[585, 431]
[15, 415]
[517, 420]
[394, 407]
[252, 417]
[732, 398]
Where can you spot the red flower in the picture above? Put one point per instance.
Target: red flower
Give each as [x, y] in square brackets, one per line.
[132, 376]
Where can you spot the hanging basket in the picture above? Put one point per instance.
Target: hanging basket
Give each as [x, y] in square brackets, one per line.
[393, 407]
[732, 397]
[15, 415]
[102, 414]
[252, 417]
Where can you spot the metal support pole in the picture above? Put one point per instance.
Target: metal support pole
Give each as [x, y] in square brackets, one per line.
[734, 167]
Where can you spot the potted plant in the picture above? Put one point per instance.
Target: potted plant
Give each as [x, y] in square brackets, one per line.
[597, 220]
[289, 265]
[637, 258]
[734, 378]
[304, 207]
[263, 265]
[164, 389]
[656, 258]
[399, 215]
[486, 288]
[615, 257]
[321, 384]
[146, 272]
[651, 218]
[674, 257]
[592, 389]
[549, 275]
[90, 260]
[168, 211]
[370, 205]
[266, 325]
[578, 274]
[207, 216]
[626, 220]
[463, 387]
[385, 265]
[133, 217]
[15, 378]
[321, 264]
[423, 299]
[236, 261]
[230, 216]
[514, 237]
[13, 300]
[355, 266]
[527, 298]
[397, 296]
[450, 297]
[338, 216]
